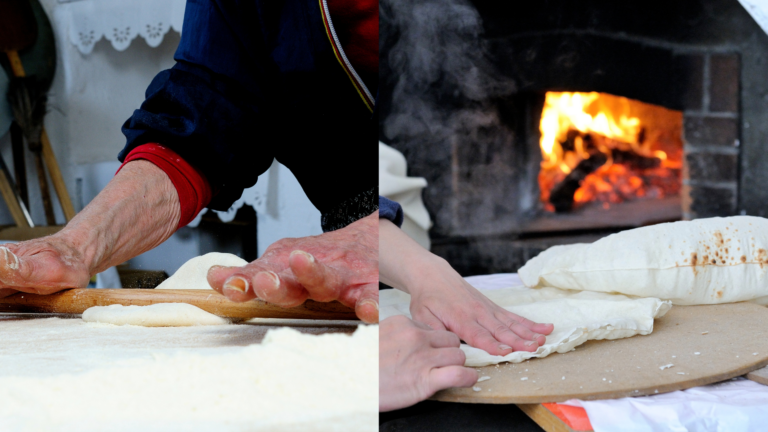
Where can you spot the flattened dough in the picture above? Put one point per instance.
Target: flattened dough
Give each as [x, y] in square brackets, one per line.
[194, 273]
[156, 315]
[704, 261]
[577, 316]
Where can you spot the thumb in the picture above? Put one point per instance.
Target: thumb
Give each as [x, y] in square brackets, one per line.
[451, 376]
[36, 274]
[367, 305]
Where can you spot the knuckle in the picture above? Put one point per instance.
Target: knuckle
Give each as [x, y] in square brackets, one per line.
[457, 356]
[478, 335]
[500, 330]
[412, 334]
[454, 338]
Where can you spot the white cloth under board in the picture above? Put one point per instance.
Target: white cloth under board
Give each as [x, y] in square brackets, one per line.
[737, 405]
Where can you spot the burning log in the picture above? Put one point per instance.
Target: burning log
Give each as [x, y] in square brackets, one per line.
[562, 194]
[634, 160]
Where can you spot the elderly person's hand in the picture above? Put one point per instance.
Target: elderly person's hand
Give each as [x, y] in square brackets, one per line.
[416, 361]
[138, 210]
[443, 300]
[339, 265]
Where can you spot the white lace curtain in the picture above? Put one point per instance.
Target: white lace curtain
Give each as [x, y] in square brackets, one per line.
[119, 21]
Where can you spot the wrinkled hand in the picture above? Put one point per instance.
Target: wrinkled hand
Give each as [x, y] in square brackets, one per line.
[340, 265]
[443, 300]
[41, 266]
[416, 361]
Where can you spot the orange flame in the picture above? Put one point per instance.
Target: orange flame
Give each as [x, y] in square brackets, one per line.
[609, 125]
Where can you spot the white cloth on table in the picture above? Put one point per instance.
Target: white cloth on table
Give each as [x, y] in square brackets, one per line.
[737, 405]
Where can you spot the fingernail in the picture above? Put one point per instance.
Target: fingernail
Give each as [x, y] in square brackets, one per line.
[529, 343]
[13, 265]
[504, 347]
[371, 302]
[307, 255]
[236, 283]
[272, 276]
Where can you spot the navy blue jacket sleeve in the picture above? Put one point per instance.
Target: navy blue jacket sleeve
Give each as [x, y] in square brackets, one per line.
[257, 80]
[391, 210]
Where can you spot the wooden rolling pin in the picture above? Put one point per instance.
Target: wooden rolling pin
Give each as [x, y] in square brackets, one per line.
[76, 301]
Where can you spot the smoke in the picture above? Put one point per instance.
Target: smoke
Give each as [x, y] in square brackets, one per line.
[444, 113]
[443, 78]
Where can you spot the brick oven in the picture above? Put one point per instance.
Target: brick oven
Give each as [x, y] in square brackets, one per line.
[464, 86]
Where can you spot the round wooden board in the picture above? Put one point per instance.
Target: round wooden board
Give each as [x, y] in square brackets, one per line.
[731, 340]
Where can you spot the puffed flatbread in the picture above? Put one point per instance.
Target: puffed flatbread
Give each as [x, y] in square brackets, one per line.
[704, 261]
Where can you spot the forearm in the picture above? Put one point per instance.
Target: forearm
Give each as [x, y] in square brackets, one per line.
[138, 210]
[403, 263]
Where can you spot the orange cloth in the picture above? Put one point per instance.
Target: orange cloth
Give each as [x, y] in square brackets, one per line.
[576, 418]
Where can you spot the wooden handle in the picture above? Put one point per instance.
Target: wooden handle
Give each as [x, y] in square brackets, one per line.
[16, 67]
[9, 196]
[76, 301]
[50, 158]
[56, 178]
[45, 194]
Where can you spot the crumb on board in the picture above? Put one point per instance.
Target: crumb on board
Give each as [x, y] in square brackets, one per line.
[706, 332]
[483, 378]
[697, 353]
[476, 388]
[523, 378]
[667, 366]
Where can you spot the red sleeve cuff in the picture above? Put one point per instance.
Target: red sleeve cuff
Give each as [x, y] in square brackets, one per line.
[192, 187]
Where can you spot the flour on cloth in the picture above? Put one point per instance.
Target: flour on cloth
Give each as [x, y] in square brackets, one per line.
[289, 382]
[704, 261]
[156, 315]
[577, 317]
[194, 273]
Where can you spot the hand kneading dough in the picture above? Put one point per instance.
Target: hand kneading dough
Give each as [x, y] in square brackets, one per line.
[577, 316]
[705, 261]
[194, 273]
[156, 315]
